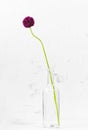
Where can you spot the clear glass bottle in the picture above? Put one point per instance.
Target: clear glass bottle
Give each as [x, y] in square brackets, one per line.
[49, 114]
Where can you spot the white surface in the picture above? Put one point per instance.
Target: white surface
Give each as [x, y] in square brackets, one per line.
[63, 26]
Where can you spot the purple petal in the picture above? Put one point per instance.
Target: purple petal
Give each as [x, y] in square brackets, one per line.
[28, 22]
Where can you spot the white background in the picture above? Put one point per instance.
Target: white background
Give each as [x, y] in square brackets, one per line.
[63, 27]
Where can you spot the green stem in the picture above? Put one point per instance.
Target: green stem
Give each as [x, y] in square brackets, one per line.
[50, 74]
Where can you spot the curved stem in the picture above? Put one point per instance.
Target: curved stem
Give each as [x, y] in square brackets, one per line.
[50, 75]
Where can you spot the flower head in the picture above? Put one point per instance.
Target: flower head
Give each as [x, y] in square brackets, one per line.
[28, 22]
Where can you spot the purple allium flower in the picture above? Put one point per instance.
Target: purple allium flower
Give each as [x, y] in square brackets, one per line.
[28, 22]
